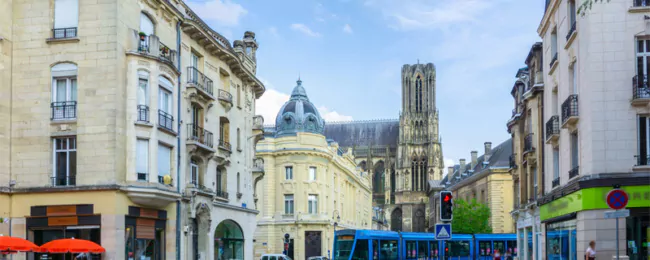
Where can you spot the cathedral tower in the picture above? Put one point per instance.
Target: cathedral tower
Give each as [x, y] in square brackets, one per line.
[419, 153]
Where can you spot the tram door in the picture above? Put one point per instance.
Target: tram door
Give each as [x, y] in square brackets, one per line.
[313, 244]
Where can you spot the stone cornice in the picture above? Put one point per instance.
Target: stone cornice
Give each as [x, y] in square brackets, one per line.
[548, 15]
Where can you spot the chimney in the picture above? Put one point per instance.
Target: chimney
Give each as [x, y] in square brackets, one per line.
[462, 165]
[488, 151]
[450, 171]
[474, 158]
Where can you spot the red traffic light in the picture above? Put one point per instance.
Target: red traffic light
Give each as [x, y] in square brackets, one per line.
[447, 197]
[286, 246]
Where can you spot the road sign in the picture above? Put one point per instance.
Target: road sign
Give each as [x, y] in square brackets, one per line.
[617, 213]
[617, 199]
[443, 231]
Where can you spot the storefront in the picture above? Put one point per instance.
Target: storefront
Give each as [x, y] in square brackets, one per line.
[47, 223]
[529, 235]
[567, 217]
[145, 234]
[228, 241]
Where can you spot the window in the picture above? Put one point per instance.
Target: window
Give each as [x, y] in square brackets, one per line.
[574, 78]
[556, 163]
[194, 173]
[143, 96]
[313, 204]
[534, 176]
[142, 159]
[554, 42]
[224, 133]
[238, 140]
[146, 24]
[572, 14]
[65, 161]
[312, 173]
[574, 150]
[418, 94]
[288, 204]
[220, 181]
[238, 183]
[165, 118]
[164, 162]
[66, 18]
[288, 173]
[643, 61]
[238, 96]
[64, 91]
[555, 104]
[644, 142]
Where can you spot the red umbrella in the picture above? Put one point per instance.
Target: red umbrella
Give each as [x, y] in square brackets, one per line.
[16, 244]
[71, 245]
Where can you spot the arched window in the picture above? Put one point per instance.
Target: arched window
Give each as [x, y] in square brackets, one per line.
[378, 178]
[238, 140]
[418, 221]
[64, 91]
[423, 174]
[414, 174]
[146, 24]
[224, 133]
[396, 220]
[418, 94]
[238, 185]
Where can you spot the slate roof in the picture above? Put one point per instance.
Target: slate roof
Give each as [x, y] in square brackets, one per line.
[500, 157]
[364, 133]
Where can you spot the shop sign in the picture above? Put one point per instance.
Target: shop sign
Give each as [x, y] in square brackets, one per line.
[593, 198]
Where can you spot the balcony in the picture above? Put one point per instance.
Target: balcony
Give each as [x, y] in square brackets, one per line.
[574, 172]
[70, 180]
[553, 63]
[65, 110]
[152, 48]
[570, 110]
[222, 194]
[143, 113]
[571, 34]
[640, 91]
[165, 121]
[199, 140]
[225, 98]
[63, 35]
[556, 182]
[528, 143]
[642, 160]
[552, 130]
[224, 145]
[258, 165]
[200, 82]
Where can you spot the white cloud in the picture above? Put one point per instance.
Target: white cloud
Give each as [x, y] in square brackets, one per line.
[305, 30]
[225, 12]
[347, 29]
[332, 116]
[448, 163]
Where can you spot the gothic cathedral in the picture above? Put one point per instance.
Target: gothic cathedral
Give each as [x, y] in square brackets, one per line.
[403, 156]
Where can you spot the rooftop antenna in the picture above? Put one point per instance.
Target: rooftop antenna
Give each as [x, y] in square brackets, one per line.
[418, 61]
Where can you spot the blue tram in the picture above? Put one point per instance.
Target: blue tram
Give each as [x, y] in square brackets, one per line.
[389, 245]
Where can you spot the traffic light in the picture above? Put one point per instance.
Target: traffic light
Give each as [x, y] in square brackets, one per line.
[446, 206]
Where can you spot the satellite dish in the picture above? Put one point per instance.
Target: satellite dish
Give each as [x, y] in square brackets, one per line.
[167, 180]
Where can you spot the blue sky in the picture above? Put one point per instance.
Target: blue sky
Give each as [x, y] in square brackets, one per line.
[349, 54]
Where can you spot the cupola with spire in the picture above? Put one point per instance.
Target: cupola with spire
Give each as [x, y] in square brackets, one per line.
[298, 115]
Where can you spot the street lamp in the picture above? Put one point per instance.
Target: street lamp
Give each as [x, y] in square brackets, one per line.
[338, 218]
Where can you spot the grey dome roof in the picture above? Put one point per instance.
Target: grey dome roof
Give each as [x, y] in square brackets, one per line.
[298, 115]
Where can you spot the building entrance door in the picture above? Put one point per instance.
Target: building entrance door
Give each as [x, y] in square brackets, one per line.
[312, 243]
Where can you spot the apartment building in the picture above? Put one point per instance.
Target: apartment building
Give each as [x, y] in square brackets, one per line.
[595, 70]
[526, 162]
[129, 123]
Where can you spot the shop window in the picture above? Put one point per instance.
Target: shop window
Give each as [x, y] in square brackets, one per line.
[561, 240]
[229, 241]
[44, 236]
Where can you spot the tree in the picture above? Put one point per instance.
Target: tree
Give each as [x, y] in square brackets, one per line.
[586, 4]
[471, 217]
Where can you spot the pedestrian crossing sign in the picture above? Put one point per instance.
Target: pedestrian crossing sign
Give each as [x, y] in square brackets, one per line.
[443, 231]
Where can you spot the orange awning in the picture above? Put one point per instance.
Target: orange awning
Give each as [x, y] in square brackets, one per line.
[71, 245]
[13, 244]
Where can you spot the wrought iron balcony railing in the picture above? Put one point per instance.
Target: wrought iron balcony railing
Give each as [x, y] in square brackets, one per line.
[225, 96]
[64, 110]
[553, 60]
[224, 145]
[571, 30]
[70, 180]
[198, 134]
[194, 76]
[143, 113]
[640, 87]
[570, 108]
[165, 120]
[528, 142]
[222, 194]
[552, 127]
[556, 182]
[574, 172]
[64, 33]
[642, 160]
[166, 53]
[152, 46]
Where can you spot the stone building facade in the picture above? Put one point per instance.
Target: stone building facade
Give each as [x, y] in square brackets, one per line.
[311, 185]
[400, 155]
[130, 123]
[527, 130]
[485, 179]
[595, 74]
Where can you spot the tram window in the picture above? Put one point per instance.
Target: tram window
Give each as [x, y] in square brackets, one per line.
[410, 249]
[433, 248]
[375, 249]
[388, 250]
[501, 246]
[458, 248]
[361, 250]
[512, 247]
[422, 250]
[343, 248]
[485, 248]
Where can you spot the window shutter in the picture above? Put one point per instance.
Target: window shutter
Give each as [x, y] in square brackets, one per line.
[66, 13]
[142, 156]
[164, 158]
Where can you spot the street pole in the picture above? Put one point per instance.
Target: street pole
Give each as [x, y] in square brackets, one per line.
[617, 242]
